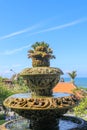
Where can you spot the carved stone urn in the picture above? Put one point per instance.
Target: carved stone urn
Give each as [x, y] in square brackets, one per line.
[41, 80]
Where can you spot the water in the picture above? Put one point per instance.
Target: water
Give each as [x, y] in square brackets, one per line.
[22, 95]
[80, 82]
[65, 123]
[28, 95]
[56, 95]
[23, 125]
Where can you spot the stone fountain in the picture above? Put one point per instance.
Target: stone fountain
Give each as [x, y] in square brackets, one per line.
[42, 107]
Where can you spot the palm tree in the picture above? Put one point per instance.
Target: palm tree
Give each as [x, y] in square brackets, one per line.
[72, 75]
[40, 54]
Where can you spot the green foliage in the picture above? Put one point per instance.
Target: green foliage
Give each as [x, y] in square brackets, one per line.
[81, 109]
[1, 79]
[2, 119]
[2, 122]
[7, 90]
[20, 80]
[36, 44]
[40, 54]
[1, 116]
[83, 88]
[4, 92]
[72, 75]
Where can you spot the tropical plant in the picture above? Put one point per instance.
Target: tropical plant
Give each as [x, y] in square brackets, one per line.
[72, 75]
[4, 93]
[81, 109]
[40, 54]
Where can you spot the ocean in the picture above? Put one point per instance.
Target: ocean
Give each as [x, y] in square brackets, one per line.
[80, 82]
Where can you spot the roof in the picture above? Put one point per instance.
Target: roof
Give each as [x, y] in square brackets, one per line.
[65, 87]
[7, 80]
[69, 87]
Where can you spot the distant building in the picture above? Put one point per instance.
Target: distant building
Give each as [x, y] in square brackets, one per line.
[69, 87]
[64, 87]
[8, 82]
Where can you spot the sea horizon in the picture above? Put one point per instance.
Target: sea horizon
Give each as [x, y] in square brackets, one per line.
[79, 81]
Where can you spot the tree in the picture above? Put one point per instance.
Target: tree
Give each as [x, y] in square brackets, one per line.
[40, 54]
[72, 75]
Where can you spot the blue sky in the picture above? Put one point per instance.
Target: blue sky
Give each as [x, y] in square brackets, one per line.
[60, 23]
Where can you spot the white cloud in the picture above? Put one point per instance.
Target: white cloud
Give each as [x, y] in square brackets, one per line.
[9, 52]
[44, 30]
[61, 26]
[20, 32]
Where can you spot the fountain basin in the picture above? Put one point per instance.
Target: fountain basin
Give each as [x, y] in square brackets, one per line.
[31, 107]
[41, 80]
[64, 123]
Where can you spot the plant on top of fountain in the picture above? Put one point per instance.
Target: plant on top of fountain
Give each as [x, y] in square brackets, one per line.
[40, 54]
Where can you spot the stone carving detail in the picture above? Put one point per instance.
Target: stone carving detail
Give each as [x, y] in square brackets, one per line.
[41, 103]
[41, 80]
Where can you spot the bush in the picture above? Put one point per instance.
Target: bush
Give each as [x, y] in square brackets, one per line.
[1, 116]
[81, 109]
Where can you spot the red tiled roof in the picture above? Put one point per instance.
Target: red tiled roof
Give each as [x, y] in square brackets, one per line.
[65, 87]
